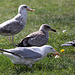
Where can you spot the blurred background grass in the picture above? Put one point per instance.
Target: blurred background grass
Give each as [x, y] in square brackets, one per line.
[60, 15]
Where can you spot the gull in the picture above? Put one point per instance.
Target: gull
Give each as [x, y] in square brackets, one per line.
[16, 24]
[70, 43]
[28, 55]
[38, 38]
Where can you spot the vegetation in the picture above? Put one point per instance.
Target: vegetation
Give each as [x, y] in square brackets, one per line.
[60, 15]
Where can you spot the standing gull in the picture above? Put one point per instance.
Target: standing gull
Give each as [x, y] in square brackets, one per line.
[37, 38]
[28, 55]
[70, 43]
[16, 24]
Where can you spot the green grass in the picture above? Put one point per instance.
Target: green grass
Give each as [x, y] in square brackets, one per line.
[60, 15]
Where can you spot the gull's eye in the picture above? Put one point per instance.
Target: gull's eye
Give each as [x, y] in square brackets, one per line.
[25, 6]
[51, 48]
[48, 27]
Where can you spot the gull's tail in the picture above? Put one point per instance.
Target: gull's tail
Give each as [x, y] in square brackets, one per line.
[20, 45]
[4, 51]
[1, 52]
[8, 52]
[24, 43]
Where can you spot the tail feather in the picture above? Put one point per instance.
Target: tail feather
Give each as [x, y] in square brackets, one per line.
[6, 51]
[24, 42]
[9, 52]
[1, 52]
[20, 45]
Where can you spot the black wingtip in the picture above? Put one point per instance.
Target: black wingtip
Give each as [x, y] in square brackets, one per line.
[19, 45]
[74, 45]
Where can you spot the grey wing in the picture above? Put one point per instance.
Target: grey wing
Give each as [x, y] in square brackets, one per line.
[10, 26]
[38, 40]
[27, 53]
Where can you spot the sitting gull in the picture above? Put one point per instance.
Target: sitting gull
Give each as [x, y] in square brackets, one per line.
[38, 38]
[17, 24]
[28, 55]
[70, 43]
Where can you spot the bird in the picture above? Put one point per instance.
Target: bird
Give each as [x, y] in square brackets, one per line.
[38, 38]
[16, 24]
[70, 43]
[28, 55]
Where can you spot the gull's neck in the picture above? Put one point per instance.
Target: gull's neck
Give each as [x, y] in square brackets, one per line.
[44, 53]
[22, 17]
[45, 32]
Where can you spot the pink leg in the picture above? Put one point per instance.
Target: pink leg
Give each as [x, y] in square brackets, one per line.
[10, 39]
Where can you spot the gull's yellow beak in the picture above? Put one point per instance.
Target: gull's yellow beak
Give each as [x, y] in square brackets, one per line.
[30, 9]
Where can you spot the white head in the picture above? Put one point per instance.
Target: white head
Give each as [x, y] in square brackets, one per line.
[49, 49]
[24, 8]
[46, 27]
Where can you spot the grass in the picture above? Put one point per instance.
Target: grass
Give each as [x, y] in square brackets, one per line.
[60, 15]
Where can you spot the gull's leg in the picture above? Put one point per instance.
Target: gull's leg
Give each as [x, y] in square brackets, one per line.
[30, 66]
[13, 39]
[14, 67]
[10, 39]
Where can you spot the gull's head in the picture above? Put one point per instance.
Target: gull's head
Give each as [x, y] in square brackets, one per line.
[49, 49]
[24, 8]
[46, 27]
